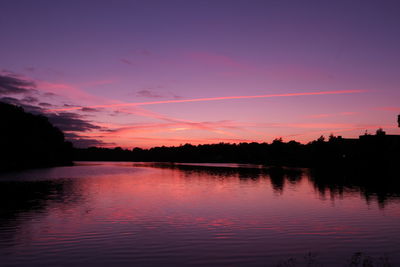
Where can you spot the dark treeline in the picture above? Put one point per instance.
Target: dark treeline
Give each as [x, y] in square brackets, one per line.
[28, 140]
[379, 149]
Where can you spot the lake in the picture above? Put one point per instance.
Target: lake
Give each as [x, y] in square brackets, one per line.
[149, 214]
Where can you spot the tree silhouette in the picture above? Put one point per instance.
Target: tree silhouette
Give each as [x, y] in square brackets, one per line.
[380, 132]
[28, 140]
[398, 120]
[371, 151]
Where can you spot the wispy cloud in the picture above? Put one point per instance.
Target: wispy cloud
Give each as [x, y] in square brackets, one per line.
[45, 104]
[11, 84]
[218, 127]
[180, 124]
[84, 141]
[84, 109]
[20, 91]
[148, 93]
[68, 107]
[194, 140]
[66, 90]
[218, 99]
[76, 126]
[68, 121]
[326, 115]
[392, 108]
[154, 92]
[126, 61]
[318, 125]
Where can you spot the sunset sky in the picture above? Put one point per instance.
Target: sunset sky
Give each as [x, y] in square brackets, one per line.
[152, 73]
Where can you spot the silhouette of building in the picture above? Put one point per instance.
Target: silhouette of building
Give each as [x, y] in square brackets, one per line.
[381, 138]
[385, 140]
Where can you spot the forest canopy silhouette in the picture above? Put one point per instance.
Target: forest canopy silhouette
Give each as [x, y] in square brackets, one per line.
[29, 140]
[368, 150]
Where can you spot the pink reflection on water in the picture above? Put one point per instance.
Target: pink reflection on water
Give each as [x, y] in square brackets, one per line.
[120, 206]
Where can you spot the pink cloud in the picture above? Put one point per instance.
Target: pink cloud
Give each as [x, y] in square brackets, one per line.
[126, 61]
[323, 115]
[326, 115]
[322, 125]
[77, 97]
[218, 99]
[396, 109]
[214, 127]
[67, 90]
[148, 93]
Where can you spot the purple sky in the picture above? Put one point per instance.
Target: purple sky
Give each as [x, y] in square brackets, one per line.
[108, 53]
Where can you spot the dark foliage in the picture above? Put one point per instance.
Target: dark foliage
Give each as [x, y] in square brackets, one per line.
[28, 140]
[367, 151]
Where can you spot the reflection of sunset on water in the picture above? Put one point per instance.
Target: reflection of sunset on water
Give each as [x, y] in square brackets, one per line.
[182, 209]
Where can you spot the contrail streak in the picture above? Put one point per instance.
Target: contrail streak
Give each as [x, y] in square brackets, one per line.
[212, 99]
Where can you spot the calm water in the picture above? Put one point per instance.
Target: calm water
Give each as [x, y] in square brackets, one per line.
[102, 214]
